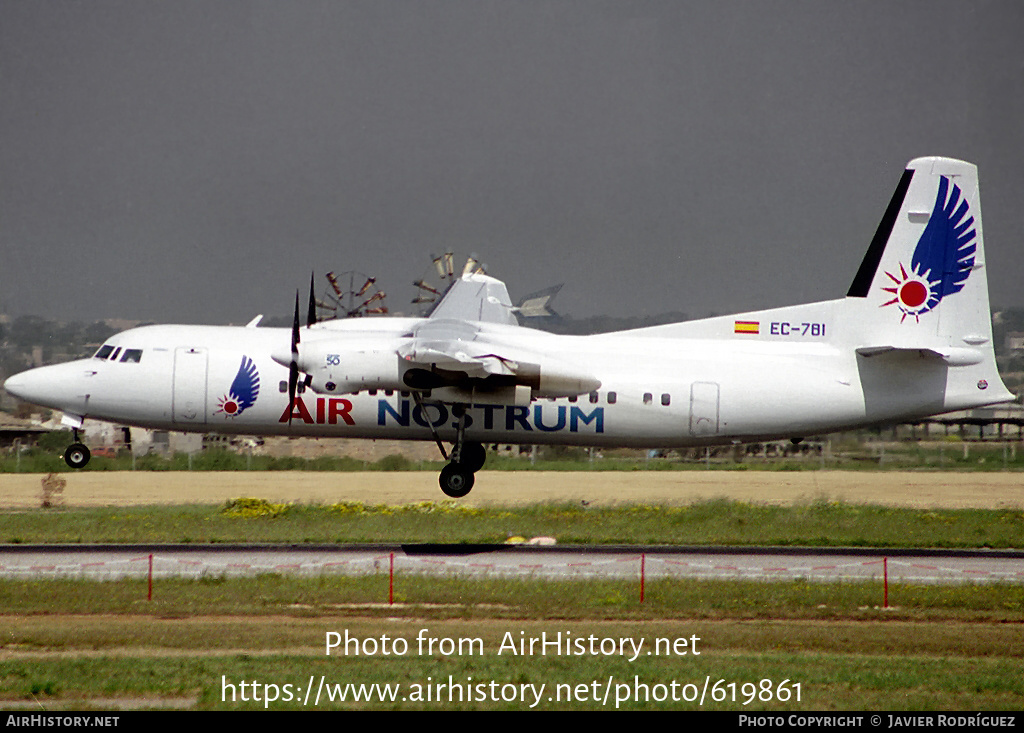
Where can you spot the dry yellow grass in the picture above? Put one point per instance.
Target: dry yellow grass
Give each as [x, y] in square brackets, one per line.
[916, 490]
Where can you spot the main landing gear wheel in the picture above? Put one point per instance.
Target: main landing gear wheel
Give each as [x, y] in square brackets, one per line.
[77, 455]
[472, 456]
[456, 480]
[465, 460]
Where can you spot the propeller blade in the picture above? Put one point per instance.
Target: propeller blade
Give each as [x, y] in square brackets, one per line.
[293, 382]
[293, 367]
[295, 328]
[311, 312]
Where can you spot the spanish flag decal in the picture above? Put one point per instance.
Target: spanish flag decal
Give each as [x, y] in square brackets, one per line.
[748, 327]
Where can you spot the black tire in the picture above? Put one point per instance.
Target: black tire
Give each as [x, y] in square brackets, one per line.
[77, 455]
[473, 457]
[455, 480]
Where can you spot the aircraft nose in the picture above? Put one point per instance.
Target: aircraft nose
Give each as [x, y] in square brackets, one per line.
[49, 386]
[17, 386]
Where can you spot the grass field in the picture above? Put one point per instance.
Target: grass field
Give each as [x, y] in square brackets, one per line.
[712, 522]
[939, 648]
[765, 646]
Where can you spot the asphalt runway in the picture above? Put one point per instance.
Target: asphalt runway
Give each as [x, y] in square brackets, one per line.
[564, 563]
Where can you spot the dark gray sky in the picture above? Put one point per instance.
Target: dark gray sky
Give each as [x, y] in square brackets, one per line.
[194, 161]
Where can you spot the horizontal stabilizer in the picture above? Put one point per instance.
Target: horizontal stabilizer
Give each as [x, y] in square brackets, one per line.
[538, 305]
[953, 356]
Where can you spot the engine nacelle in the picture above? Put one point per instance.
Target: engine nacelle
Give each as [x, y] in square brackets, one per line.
[335, 371]
[554, 378]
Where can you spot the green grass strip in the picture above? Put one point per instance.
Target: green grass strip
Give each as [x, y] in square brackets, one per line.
[715, 522]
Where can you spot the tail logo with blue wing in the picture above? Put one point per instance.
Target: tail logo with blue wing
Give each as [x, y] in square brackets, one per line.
[943, 258]
[244, 390]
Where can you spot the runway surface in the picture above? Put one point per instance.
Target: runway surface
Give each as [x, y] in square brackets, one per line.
[111, 562]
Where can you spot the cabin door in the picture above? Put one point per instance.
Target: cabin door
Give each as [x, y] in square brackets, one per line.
[190, 367]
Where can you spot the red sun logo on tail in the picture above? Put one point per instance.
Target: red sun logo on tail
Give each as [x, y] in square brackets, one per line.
[913, 292]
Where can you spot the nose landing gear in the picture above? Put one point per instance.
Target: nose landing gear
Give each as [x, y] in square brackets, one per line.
[77, 455]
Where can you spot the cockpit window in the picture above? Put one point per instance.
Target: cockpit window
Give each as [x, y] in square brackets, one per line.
[104, 351]
[133, 355]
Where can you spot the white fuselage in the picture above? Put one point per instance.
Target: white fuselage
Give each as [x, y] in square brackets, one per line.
[912, 338]
[657, 387]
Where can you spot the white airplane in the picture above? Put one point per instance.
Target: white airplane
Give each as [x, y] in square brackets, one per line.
[912, 338]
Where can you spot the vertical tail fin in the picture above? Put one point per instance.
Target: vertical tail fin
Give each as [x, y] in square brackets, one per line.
[923, 275]
[922, 284]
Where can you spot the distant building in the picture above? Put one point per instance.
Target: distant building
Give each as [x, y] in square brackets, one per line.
[1015, 341]
[14, 431]
[1001, 422]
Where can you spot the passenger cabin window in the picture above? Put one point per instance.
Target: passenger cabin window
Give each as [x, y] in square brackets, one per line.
[666, 399]
[593, 398]
[282, 386]
[648, 398]
[132, 355]
[104, 351]
[612, 396]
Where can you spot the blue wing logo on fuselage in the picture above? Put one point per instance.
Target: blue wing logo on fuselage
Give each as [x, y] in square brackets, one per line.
[244, 390]
[943, 258]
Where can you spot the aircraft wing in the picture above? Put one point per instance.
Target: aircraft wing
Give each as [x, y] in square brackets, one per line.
[450, 339]
[456, 348]
[454, 345]
[468, 355]
[476, 297]
[465, 351]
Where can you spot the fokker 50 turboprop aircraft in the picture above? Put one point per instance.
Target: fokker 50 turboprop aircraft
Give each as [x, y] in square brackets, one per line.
[912, 338]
